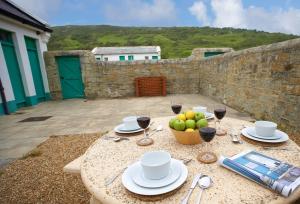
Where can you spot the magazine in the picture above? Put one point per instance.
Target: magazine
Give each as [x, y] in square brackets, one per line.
[279, 176]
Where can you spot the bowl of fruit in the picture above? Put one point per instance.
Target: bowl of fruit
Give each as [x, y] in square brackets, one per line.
[185, 127]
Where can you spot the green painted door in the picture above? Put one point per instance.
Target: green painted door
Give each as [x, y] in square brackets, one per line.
[13, 67]
[35, 68]
[122, 58]
[130, 57]
[70, 77]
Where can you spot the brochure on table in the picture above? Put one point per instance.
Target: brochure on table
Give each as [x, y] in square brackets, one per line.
[277, 175]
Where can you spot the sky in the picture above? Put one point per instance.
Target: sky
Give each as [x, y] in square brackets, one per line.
[266, 15]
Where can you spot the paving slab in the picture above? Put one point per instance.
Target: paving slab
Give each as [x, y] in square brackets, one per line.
[76, 116]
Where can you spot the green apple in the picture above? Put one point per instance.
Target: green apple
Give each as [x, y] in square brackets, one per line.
[179, 125]
[199, 116]
[171, 122]
[202, 123]
[190, 124]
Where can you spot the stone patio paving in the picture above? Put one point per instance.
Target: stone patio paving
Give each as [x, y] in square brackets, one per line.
[83, 116]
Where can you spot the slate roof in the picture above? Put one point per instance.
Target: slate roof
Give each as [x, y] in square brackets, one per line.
[125, 50]
[11, 10]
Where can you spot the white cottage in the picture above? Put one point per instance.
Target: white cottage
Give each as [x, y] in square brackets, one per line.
[23, 39]
[127, 53]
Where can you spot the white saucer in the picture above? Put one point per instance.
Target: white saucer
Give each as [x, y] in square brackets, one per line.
[251, 131]
[124, 129]
[140, 179]
[283, 137]
[129, 184]
[118, 130]
[209, 115]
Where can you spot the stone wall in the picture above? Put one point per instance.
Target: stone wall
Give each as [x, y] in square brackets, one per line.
[53, 73]
[116, 79]
[263, 81]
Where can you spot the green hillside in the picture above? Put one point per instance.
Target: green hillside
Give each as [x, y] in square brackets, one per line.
[175, 42]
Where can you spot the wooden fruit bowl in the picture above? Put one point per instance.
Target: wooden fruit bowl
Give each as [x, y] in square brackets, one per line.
[187, 138]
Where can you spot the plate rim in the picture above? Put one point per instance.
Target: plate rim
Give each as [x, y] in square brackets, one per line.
[209, 117]
[177, 177]
[261, 137]
[155, 191]
[122, 124]
[126, 132]
[284, 137]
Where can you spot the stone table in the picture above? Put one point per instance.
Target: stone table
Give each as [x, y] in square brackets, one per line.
[105, 158]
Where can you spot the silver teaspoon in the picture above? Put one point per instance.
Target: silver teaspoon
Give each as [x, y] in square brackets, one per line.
[204, 183]
[159, 128]
[118, 139]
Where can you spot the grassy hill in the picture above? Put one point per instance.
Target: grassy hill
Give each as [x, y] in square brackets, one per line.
[175, 41]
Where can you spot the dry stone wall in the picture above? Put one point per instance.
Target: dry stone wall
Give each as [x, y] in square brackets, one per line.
[263, 81]
[117, 79]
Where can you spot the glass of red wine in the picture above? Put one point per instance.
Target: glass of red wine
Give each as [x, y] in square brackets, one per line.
[220, 112]
[176, 106]
[207, 134]
[143, 120]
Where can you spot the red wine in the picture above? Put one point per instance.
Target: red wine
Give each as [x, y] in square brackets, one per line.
[220, 113]
[207, 133]
[143, 122]
[176, 108]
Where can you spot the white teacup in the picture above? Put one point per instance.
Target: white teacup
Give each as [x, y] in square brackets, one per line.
[156, 164]
[265, 128]
[130, 123]
[201, 109]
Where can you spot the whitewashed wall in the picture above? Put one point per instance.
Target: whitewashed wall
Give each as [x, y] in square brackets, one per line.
[135, 56]
[5, 79]
[19, 31]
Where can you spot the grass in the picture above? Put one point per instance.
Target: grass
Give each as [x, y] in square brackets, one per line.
[175, 42]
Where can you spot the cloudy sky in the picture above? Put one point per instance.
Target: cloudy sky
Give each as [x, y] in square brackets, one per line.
[267, 15]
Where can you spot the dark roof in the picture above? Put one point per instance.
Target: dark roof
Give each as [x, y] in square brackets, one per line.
[10, 10]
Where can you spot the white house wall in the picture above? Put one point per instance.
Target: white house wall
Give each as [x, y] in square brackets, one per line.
[4, 76]
[135, 56]
[24, 64]
[19, 32]
[42, 47]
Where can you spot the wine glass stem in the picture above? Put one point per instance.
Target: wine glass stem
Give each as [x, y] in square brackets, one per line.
[145, 134]
[206, 147]
[219, 125]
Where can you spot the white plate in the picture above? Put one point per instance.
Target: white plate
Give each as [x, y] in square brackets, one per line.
[209, 115]
[251, 131]
[129, 184]
[124, 129]
[284, 137]
[117, 130]
[140, 179]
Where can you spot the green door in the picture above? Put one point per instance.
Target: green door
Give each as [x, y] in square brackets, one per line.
[70, 77]
[13, 67]
[122, 58]
[35, 68]
[210, 54]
